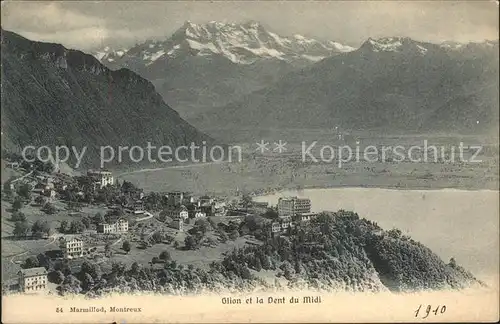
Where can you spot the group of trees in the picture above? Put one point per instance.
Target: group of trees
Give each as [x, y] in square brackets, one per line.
[83, 190]
[17, 204]
[197, 234]
[39, 229]
[126, 246]
[163, 257]
[79, 225]
[75, 226]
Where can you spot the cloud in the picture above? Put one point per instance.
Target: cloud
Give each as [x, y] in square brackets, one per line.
[86, 25]
[50, 17]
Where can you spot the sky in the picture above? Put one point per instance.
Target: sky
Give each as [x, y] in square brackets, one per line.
[89, 25]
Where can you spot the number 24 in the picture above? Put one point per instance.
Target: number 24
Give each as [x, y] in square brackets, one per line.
[440, 309]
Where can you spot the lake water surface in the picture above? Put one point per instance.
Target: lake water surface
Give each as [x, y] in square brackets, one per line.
[452, 223]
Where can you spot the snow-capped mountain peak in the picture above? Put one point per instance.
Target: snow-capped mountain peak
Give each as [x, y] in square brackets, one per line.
[395, 45]
[107, 54]
[240, 43]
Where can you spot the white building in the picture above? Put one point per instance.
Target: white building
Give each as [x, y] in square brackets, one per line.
[32, 280]
[292, 206]
[101, 178]
[275, 227]
[199, 214]
[305, 217]
[286, 222]
[119, 227]
[71, 247]
[179, 213]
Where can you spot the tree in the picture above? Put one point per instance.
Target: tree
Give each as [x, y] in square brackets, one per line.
[17, 204]
[98, 219]
[190, 242]
[154, 260]
[163, 216]
[107, 249]
[76, 226]
[126, 246]
[223, 236]
[40, 200]
[43, 260]
[246, 201]
[128, 187]
[49, 208]
[118, 268]
[452, 263]
[265, 262]
[165, 255]
[63, 227]
[24, 191]
[58, 277]
[40, 228]
[134, 268]
[18, 217]
[31, 262]
[257, 264]
[7, 186]
[395, 233]
[271, 214]
[71, 285]
[21, 229]
[157, 237]
[234, 235]
[201, 226]
[86, 222]
[89, 268]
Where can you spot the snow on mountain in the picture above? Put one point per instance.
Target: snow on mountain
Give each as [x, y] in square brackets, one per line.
[404, 45]
[240, 43]
[107, 54]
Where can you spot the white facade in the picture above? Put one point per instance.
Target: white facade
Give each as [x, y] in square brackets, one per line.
[286, 222]
[72, 248]
[276, 227]
[292, 206]
[32, 280]
[102, 178]
[199, 214]
[305, 217]
[121, 226]
[179, 213]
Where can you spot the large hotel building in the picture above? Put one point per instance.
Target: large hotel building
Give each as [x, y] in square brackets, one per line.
[293, 206]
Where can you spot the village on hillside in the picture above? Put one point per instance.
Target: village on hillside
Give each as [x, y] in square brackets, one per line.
[55, 225]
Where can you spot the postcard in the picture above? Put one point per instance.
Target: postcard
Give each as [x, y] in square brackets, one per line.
[250, 161]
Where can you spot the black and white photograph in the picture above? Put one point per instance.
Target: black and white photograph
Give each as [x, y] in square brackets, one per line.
[249, 161]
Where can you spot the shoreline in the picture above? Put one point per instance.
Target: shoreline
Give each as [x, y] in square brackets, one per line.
[261, 178]
[388, 187]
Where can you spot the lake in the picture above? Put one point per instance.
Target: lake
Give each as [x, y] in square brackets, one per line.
[452, 223]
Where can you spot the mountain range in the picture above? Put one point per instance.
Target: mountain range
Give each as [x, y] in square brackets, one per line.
[234, 76]
[391, 84]
[57, 96]
[212, 64]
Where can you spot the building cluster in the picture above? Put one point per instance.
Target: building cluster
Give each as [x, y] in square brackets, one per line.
[184, 208]
[292, 211]
[101, 178]
[45, 186]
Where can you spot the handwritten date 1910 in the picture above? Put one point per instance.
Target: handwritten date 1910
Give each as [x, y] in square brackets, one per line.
[429, 309]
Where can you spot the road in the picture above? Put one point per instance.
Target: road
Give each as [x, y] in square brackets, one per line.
[190, 165]
[52, 240]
